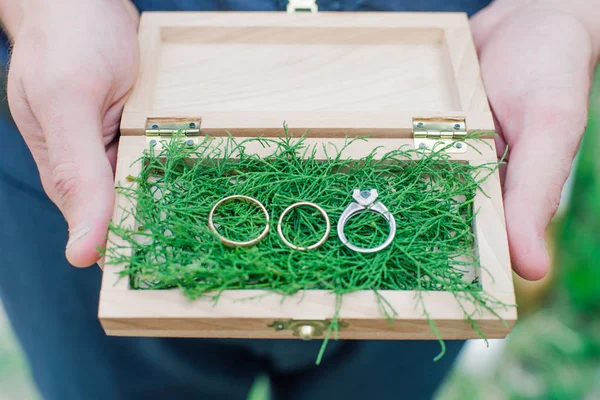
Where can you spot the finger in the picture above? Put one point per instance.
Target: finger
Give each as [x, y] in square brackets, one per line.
[540, 163]
[29, 127]
[79, 171]
[111, 153]
[112, 120]
[501, 150]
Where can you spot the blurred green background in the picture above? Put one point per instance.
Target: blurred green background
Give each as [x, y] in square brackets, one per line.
[15, 382]
[554, 350]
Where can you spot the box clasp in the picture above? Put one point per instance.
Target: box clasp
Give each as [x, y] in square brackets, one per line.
[440, 132]
[306, 329]
[187, 129]
[294, 6]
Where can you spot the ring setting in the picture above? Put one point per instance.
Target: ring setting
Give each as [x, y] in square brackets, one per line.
[366, 200]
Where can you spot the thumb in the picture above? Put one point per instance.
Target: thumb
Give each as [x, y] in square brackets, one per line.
[79, 176]
[539, 164]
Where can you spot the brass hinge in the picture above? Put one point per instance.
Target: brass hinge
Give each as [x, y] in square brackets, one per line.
[302, 6]
[158, 129]
[306, 329]
[440, 132]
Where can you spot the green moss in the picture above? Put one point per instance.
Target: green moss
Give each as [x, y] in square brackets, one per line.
[430, 197]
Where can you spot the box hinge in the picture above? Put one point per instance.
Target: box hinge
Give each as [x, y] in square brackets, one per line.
[440, 132]
[302, 6]
[158, 129]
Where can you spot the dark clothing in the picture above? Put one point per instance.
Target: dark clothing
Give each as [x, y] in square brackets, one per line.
[468, 6]
[53, 306]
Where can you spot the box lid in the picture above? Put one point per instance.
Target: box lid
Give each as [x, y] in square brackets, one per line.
[362, 73]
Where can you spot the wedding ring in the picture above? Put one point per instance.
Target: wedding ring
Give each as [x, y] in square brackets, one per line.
[233, 243]
[366, 201]
[300, 204]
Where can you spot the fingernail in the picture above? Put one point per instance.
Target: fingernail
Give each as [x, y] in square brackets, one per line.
[77, 234]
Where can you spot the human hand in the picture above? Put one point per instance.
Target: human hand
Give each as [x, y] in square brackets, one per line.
[537, 63]
[72, 67]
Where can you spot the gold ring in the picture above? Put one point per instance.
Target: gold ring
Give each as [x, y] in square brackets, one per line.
[311, 247]
[233, 243]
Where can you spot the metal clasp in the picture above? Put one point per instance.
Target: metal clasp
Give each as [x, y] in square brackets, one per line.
[306, 329]
[302, 6]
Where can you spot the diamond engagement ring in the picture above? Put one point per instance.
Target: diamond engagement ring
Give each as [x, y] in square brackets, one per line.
[365, 200]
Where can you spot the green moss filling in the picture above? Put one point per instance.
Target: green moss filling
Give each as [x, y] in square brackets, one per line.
[430, 197]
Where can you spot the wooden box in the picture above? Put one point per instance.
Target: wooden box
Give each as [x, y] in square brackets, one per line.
[336, 73]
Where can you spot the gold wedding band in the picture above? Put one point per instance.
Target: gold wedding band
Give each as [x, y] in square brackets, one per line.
[300, 204]
[233, 243]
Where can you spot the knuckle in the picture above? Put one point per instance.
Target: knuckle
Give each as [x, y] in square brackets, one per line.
[66, 182]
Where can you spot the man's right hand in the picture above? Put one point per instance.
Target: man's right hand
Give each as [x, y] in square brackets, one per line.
[72, 68]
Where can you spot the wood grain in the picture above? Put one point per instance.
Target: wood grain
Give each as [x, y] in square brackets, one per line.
[168, 314]
[124, 311]
[367, 73]
[337, 74]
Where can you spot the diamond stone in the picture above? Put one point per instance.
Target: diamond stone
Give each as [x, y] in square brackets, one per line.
[365, 197]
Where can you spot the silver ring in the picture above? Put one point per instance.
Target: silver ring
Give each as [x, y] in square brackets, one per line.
[313, 246]
[366, 201]
[233, 243]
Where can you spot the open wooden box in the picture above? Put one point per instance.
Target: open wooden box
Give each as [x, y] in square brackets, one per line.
[404, 78]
